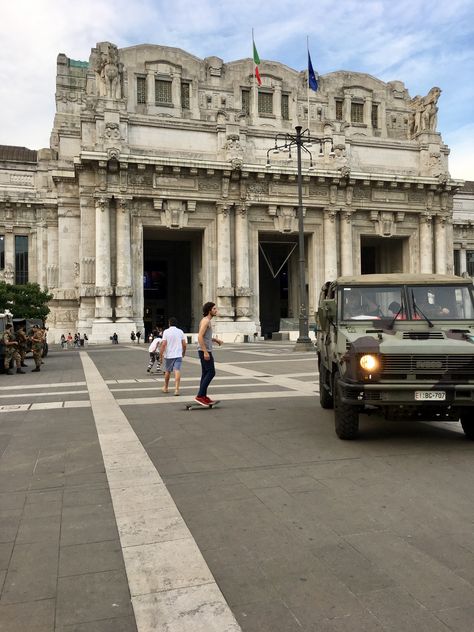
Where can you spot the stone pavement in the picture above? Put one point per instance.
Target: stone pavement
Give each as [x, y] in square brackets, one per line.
[121, 511]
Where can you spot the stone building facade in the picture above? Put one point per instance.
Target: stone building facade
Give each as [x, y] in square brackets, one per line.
[160, 191]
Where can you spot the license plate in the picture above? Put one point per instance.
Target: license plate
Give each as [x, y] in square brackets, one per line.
[430, 395]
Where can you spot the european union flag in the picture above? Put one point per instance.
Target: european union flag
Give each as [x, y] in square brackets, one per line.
[312, 81]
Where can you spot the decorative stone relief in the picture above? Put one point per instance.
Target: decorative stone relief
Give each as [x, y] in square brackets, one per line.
[384, 223]
[173, 214]
[52, 276]
[286, 219]
[104, 61]
[88, 270]
[424, 114]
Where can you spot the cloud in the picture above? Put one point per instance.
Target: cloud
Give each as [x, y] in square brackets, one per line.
[461, 158]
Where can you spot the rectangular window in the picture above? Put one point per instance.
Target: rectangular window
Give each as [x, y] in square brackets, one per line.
[265, 102]
[338, 109]
[141, 90]
[357, 112]
[457, 262]
[375, 115]
[470, 262]
[185, 96]
[285, 107]
[246, 101]
[21, 259]
[2, 252]
[163, 92]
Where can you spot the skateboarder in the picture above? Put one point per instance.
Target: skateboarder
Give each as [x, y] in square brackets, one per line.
[205, 340]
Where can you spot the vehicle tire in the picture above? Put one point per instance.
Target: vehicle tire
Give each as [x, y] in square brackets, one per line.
[346, 416]
[467, 423]
[325, 396]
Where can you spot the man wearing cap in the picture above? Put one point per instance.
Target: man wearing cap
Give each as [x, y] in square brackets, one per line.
[11, 350]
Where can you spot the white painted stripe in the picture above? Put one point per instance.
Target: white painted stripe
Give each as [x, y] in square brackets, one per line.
[50, 394]
[33, 387]
[171, 585]
[170, 399]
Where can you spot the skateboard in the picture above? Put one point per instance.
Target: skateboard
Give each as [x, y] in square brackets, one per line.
[194, 405]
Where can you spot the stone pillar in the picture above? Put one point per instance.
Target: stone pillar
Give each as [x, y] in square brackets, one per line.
[440, 244]
[176, 91]
[277, 102]
[52, 276]
[462, 259]
[368, 111]
[426, 244]
[346, 242]
[103, 290]
[9, 255]
[449, 246]
[242, 276]
[346, 114]
[150, 87]
[225, 291]
[330, 244]
[123, 289]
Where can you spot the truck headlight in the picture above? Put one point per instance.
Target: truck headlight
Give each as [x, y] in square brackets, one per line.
[369, 362]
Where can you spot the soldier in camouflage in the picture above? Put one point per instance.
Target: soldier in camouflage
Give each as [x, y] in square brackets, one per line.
[22, 340]
[37, 347]
[11, 350]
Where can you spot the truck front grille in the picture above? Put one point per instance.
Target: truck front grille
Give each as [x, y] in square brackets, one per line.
[427, 366]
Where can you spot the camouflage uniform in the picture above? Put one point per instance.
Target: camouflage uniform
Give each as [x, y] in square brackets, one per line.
[11, 351]
[22, 340]
[37, 346]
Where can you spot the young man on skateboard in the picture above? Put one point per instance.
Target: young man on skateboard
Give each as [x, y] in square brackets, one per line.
[205, 340]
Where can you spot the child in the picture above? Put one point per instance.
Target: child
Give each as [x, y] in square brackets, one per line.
[154, 351]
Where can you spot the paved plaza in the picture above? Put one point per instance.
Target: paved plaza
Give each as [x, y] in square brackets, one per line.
[120, 511]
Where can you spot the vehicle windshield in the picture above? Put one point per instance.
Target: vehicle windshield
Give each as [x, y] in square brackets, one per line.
[372, 303]
[441, 302]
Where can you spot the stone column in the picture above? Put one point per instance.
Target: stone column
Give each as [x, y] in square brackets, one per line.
[426, 244]
[330, 244]
[9, 255]
[440, 244]
[462, 259]
[346, 242]
[176, 91]
[150, 87]
[242, 275]
[277, 102]
[346, 114]
[103, 290]
[368, 111]
[225, 291]
[123, 289]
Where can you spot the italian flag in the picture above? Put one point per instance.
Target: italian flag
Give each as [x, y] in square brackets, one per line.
[256, 61]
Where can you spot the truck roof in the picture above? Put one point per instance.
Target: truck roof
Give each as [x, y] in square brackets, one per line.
[403, 279]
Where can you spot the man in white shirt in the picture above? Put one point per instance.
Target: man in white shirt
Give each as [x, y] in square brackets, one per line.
[173, 349]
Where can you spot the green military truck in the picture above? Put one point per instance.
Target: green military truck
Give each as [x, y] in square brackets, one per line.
[401, 345]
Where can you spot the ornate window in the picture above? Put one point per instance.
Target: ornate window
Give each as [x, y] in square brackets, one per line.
[185, 96]
[141, 90]
[339, 109]
[357, 112]
[285, 107]
[246, 101]
[21, 259]
[375, 115]
[265, 102]
[163, 92]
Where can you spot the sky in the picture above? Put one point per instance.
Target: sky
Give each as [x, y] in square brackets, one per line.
[423, 43]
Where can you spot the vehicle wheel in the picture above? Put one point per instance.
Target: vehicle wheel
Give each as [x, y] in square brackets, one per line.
[467, 423]
[346, 416]
[325, 396]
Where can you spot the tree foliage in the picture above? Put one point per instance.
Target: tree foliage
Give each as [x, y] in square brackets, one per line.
[24, 301]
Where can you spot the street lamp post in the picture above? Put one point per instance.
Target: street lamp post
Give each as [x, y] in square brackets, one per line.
[300, 140]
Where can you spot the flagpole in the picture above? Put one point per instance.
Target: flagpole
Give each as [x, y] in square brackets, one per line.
[307, 82]
[255, 105]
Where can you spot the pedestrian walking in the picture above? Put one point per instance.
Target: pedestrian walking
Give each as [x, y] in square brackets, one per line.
[37, 342]
[139, 333]
[205, 340]
[11, 350]
[154, 351]
[173, 349]
[132, 336]
[63, 341]
[69, 339]
[115, 338]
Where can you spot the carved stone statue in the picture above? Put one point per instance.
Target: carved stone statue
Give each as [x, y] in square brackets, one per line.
[104, 61]
[424, 116]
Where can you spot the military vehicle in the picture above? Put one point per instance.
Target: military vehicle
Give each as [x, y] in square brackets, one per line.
[400, 345]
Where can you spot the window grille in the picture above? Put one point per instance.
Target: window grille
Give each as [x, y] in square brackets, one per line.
[375, 115]
[141, 90]
[185, 96]
[338, 109]
[21, 259]
[265, 102]
[246, 101]
[285, 107]
[357, 112]
[163, 92]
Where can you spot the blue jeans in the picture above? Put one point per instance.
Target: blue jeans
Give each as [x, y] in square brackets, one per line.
[208, 372]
